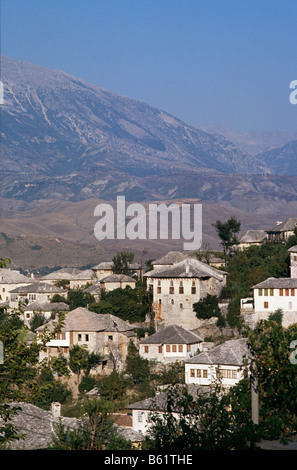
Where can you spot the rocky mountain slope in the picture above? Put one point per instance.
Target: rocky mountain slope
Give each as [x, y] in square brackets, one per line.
[59, 131]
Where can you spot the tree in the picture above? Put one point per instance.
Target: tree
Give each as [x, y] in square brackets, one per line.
[227, 231]
[271, 346]
[78, 298]
[80, 360]
[121, 262]
[96, 432]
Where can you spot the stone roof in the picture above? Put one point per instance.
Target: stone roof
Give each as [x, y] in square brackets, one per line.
[62, 274]
[12, 276]
[46, 307]
[293, 249]
[94, 288]
[117, 278]
[82, 319]
[37, 426]
[172, 257]
[173, 334]
[159, 401]
[38, 288]
[288, 225]
[104, 265]
[277, 283]
[232, 352]
[188, 268]
[251, 236]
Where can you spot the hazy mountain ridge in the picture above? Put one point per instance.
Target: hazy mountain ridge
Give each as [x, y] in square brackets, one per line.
[54, 125]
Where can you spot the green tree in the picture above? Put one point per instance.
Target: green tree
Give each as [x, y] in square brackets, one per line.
[271, 346]
[97, 430]
[79, 298]
[81, 360]
[121, 262]
[227, 231]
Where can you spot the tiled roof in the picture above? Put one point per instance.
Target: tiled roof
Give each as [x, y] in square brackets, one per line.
[232, 352]
[118, 278]
[173, 334]
[64, 273]
[172, 257]
[188, 268]
[277, 283]
[293, 249]
[46, 307]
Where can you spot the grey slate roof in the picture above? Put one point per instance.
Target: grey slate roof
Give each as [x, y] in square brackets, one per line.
[251, 236]
[159, 401]
[173, 334]
[293, 249]
[12, 276]
[277, 283]
[232, 352]
[38, 288]
[36, 424]
[172, 257]
[63, 273]
[46, 307]
[117, 278]
[188, 268]
[82, 319]
[288, 225]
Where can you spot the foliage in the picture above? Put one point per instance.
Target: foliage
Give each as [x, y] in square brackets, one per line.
[227, 231]
[81, 360]
[79, 298]
[113, 387]
[270, 345]
[137, 368]
[121, 262]
[206, 421]
[97, 431]
[130, 305]
[208, 307]
[37, 320]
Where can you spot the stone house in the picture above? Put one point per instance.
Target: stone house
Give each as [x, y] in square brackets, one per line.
[47, 309]
[251, 238]
[176, 288]
[117, 281]
[225, 363]
[282, 230]
[170, 344]
[271, 295]
[11, 279]
[102, 334]
[36, 292]
[293, 261]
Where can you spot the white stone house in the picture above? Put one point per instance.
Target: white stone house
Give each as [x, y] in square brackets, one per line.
[46, 309]
[117, 281]
[271, 295]
[102, 334]
[282, 230]
[63, 274]
[176, 288]
[224, 364]
[170, 344]
[293, 261]
[251, 238]
[82, 279]
[36, 292]
[11, 279]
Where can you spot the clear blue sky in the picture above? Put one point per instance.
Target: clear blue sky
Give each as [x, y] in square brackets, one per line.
[224, 61]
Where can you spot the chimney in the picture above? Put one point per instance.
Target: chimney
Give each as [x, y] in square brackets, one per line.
[56, 410]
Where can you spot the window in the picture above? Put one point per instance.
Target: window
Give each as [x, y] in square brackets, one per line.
[192, 372]
[260, 292]
[160, 349]
[181, 287]
[271, 292]
[292, 292]
[172, 302]
[193, 287]
[205, 373]
[86, 337]
[159, 288]
[171, 288]
[167, 347]
[266, 304]
[290, 306]
[174, 348]
[181, 306]
[281, 292]
[146, 349]
[266, 292]
[287, 292]
[180, 348]
[110, 337]
[140, 416]
[79, 337]
[188, 347]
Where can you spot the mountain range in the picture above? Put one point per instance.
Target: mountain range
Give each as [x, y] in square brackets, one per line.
[63, 139]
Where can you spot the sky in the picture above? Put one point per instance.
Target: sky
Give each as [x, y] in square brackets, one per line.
[228, 62]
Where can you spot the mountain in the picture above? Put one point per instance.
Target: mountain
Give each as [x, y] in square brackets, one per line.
[65, 137]
[281, 160]
[254, 143]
